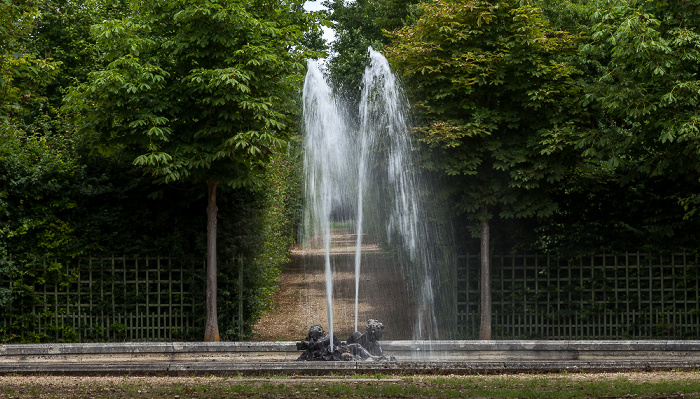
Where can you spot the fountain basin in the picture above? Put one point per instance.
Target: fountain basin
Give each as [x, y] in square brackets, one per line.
[413, 357]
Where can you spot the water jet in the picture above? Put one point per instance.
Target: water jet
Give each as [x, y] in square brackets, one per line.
[367, 165]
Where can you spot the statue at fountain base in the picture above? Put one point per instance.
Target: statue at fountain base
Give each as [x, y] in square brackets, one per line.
[317, 345]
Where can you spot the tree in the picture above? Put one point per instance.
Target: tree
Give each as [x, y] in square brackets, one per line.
[494, 100]
[198, 91]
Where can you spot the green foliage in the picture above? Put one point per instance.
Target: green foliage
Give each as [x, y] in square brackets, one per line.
[55, 210]
[109, 212]
[197, 90]
[358, 25]
[260, 227]
[61, 32]
[32, 203]
[647, 56]
[568, 15]
[590, 139]
[643, 215]
[34, 219]
[276, 221]
[638, 189]
[577, 116]
[495, 102]
[22, 72]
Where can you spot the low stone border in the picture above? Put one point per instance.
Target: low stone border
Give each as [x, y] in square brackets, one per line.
[339, 368]
[413, 357]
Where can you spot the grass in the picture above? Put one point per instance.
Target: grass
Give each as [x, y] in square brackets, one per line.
[641, 385]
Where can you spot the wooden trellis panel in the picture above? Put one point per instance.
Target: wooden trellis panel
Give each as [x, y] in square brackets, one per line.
[630, 295]
[120, 298]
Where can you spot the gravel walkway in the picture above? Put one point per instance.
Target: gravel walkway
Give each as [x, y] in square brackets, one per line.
[300, 301]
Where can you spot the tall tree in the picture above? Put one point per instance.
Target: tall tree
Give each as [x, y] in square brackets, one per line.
[199, 91]
[493, 96]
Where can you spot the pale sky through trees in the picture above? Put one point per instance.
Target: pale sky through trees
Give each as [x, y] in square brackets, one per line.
[328, 33]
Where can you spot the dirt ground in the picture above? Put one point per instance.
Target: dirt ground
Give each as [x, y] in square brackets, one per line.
[600, 385]
[301, 302]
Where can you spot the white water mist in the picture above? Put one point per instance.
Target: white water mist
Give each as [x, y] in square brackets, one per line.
[387, 167]
[369, 168]
[326, 161]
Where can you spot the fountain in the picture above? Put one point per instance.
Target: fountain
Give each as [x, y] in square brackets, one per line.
[319, 346]
[367, 166]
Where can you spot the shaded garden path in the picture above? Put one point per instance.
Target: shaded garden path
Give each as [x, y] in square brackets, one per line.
[301, 298]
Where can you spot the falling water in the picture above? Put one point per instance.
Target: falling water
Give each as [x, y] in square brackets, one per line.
[387, 151]
[326, 162]
[370, 168]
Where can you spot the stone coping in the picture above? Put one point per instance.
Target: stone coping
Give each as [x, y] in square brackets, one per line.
[413, 357]
[540, 345]
[440, 346]
[300, 369]
[144, 347]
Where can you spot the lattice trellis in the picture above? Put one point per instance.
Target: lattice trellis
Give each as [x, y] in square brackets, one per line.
[630, 295]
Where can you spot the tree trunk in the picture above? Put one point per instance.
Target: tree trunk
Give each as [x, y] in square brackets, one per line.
[211, 330]
[485, 284]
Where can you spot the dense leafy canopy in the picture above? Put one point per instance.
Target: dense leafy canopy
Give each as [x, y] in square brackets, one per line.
[567, 15]
[197, 90]
[493, 97]
[358, 25]
[22, 72]
[62, 32]
[647, 56]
